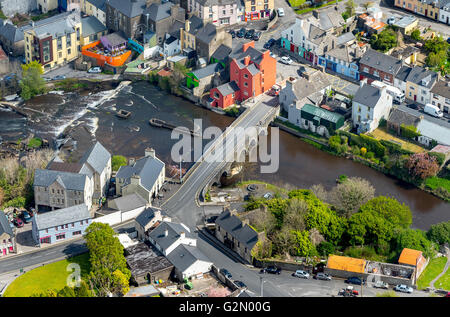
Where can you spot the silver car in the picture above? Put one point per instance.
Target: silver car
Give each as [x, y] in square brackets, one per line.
[403, 288]
[322, 276]
[301, 274]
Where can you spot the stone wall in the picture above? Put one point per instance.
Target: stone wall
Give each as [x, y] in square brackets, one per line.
[11, 7]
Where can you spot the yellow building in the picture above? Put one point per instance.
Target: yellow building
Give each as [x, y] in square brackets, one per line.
[47, 5]
[54, 41]
[96, 8]
[187, 34]
[428, 8]
[258, 9]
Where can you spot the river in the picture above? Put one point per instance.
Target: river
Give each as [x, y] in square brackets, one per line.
[90, 117]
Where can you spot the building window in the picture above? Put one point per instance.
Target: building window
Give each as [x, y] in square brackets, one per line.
[245, 76]
[60, 236]
[76, 233]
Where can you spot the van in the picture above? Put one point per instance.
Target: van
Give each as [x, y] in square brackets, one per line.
[397, 95]
[433, 110]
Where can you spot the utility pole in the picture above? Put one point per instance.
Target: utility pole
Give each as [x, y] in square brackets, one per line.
[262, 285]
[181, 180]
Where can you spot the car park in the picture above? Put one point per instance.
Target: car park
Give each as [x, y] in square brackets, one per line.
[286, 60]
[354, 280]
[271, 270]
[381, 284]
[301, 274]
[249, 34]
[403, 288]
[257, 36]
[95, 70]
[280, 12]
[322, 276]
[226, 273]
[241, 33]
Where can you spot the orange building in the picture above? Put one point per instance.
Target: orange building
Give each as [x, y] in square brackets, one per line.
[252, 71]
[95, 50]
[413, 258]
[345, 263]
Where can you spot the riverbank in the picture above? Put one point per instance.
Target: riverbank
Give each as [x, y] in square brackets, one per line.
[373, 162]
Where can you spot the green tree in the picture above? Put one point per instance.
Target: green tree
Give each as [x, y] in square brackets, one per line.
[350, 8]
[368, 228]
[348, 196]
[415, 35]
[295, 214]
[301, 244]
[439, 233]
[414, 239]
[32, 83]
[121, 284]
[389, 209]
[117, 161]
[106, 256]
[386, 40]
[325, 248]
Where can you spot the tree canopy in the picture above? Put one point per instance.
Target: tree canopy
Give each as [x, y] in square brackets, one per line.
[32, 83]
[440, 233]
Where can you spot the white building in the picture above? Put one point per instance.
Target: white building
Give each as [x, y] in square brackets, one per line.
[168, 235]
[171, 46]
[441, 95]
[444, 13]
[224, 12]
[370, 105]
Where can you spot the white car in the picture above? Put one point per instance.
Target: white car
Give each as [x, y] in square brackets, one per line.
[381, 284]
[301, 274]
[95, 70]
[403, 288]
[286, 60]
[280, 12]
[273, 55]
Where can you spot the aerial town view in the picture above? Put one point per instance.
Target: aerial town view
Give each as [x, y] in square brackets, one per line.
[224, 148]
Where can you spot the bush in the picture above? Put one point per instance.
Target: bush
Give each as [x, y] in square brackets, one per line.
[409, 131]
[415, 35]
[117, 161]
[325, 248]
[35, 143]
[439, 233]
[363, 151]
[440, 157]
[373, 145]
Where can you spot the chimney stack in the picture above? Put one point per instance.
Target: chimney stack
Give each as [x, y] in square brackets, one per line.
[166, 233]
[362, 82]
[246, 60]
[150, 152]
[187, 25]
[182, 235]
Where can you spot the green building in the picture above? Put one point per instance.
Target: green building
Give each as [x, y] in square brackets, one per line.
[321, 117]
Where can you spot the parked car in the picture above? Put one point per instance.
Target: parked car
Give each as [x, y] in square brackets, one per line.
[59, 77]
[286, 60]
[269, 43]
[18, 222]
[391, 20]
[95, 70]
[233, 33]
[448, 294]
[26, 217]
[241, 33]
[403, 288]
[301, 274]
[322, 276]
[354, 280]
[226, 273]
[272, 54]
[240, 284]
[348, 292]
[267, 195]
[280, 12]
[381, 284]
[413, 106]
[257, 36]
[302, 70]
[249, 34]
[271, 270]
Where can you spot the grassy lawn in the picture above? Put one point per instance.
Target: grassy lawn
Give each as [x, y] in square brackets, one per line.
[435, 182]
[381, 134]
[433, 269]
[270, 187]
[314, 8]
[296, 3]
[444, 281]
[50, 276]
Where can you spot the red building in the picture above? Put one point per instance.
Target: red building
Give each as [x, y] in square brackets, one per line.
[253, 73]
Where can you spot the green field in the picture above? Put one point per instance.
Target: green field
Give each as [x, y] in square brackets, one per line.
[444, 281]
[433, 269]
[296, 3]
[50, 276]
[435, 182]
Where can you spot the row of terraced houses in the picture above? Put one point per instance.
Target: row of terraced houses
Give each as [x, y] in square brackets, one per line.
[438, 10]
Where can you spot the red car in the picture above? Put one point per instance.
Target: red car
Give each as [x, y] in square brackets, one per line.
[448, 294]
[18, 222]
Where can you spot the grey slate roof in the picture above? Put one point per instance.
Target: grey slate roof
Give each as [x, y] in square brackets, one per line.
[207, 33]
[253, 69]
[148, 168]
[380, 61]
[195, 24]
[97, 157]
[442, 88]
[398, 116]
[174, 230]
[228, 88]
[367, 95]
[403, 73]
[303, 87]
[159, 11]
[184, 256]
[207, 70]
[100, 4]
[345, 38]
[174, 29]
[233, 225]
[11, 32]
[4, 224]
[421, 76]
[61, 216]
[130, 8]
[91, 25]
[221, 52]
[56, 25]
[143, 258]
[130, 202]
[116, 38]
[146, 216]
[70, 181]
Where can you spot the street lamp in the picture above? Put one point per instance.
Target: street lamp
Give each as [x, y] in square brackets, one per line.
[181, 180]
[262, 285]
